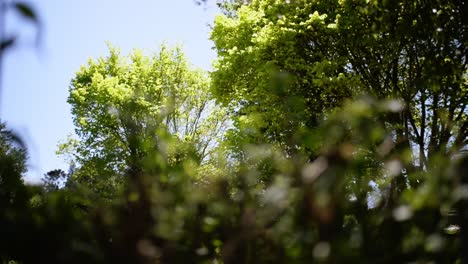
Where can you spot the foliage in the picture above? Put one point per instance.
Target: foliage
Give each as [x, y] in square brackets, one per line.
[25, 10]
[117, 97]
[13, 165]
[331, 50]
[348, 145]
[33, 222]
[319, 53]
[268, 47]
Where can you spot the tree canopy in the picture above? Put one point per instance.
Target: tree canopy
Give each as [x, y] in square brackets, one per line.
[117, 98]
[328, 131]
[322, 53]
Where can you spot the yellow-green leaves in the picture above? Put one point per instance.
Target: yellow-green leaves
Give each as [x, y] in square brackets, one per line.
[269, 39]
[121, 105]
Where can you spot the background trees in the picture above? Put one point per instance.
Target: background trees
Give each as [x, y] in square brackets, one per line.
[13, 160]
[348, 140]
[33, 221]
[277, 50]
[318, 54]
[117, 98]
[328, 51]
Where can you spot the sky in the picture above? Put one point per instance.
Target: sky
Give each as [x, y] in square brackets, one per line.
[36, 78]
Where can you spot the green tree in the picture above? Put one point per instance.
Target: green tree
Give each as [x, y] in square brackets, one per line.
[306, 57]
[267, 57]
[415, 52]
[117, 98]
[13, 166]
[28, 217]
[315, 171]
[316, 54]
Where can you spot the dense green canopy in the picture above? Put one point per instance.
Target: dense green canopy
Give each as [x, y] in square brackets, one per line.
[117, 98]
[319, 53]
[329, 131]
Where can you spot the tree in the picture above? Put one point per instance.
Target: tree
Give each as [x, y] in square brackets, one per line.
[54, 180]
[268, 47]
[411, 55]
[116, 99]
[333, 50]
[302, 163]
[13, 166]
[416, 52]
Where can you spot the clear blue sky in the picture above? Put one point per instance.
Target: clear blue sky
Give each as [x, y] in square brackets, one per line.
[36, 79]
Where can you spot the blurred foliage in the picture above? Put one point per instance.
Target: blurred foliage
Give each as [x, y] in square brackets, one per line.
[341, 138]
[27, 13]
[24, 10]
